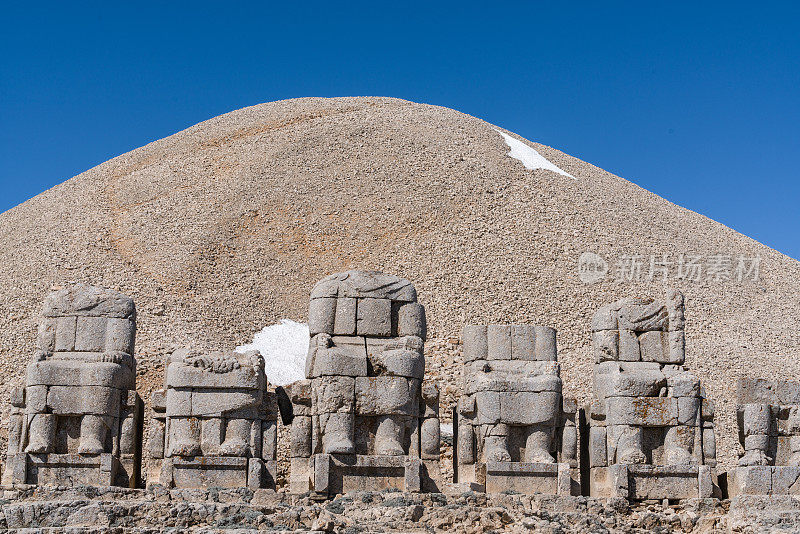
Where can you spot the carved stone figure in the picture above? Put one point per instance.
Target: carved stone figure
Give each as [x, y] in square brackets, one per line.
[650, 419]
[78, 418]
[515, 431]
[364, 419]
[768, 415]
[214, 423]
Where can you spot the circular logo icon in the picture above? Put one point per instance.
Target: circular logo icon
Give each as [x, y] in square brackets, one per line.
[591, 267]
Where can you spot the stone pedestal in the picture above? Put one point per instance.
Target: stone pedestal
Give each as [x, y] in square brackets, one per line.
[764, 480]
[648, 482]
[330, 474]
[530, 478]
[218, 472]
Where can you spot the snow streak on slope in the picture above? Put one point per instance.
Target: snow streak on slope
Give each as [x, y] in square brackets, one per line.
[529, 156]
[284, 347]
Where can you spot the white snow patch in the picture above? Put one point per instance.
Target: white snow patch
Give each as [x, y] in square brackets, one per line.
[284, 347]
[529, 156]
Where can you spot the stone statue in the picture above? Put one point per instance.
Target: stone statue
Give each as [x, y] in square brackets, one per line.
[648, 409]
[215, 422]
[513, 424]
[768, 415]
[78, 418]
[364, 411]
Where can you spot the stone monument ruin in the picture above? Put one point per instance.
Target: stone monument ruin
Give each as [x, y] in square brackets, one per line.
[515, 431]
[364, 418]
[651, 433]
[77, 420]
[214, 423]
[768, 415]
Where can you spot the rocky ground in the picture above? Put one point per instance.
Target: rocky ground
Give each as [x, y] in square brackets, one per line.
[115, 510]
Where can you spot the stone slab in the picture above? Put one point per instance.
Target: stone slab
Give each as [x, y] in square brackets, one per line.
[405, 362]
[70, 469]
[97, 400]
[529, 408]
[228, 402]
[645, 482]
[528, 478]
[491, 382]
[335, 474]
[90, 334]
[764, 391]
[88, 301]
[120, 335]
[345, 318]
[628, 379]
[386, 395]
[475, 343]
[546, 348]
[605, 344]
[372, 284]
[347, 357]
[499, 341]
[642, 411]
[374, 317]
[78, 373]
[209, 472]
[184, 375]
[332, 394]
[321, 315]
[411, 321]
[763, 480]
[523, 342]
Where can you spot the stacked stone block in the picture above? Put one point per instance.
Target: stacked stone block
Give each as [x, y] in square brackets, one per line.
[214, 423]
[651, 425]
[364, 419]
[515, 430]
[768, 416]
[77, 420]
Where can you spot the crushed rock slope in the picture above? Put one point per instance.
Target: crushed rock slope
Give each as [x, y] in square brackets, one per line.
[223, 228]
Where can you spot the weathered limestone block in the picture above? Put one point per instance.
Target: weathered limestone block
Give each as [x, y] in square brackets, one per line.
[364, 419]
[78, 418]
[387, 395]
[638, 482]
[514, 429]
[768, 416]
[397, 357]
[648, 412]
[337, 356]
[215, 422]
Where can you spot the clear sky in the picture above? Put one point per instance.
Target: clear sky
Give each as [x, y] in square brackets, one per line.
[698, 102]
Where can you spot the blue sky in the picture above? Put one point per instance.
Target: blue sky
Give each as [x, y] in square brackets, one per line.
[698, 102]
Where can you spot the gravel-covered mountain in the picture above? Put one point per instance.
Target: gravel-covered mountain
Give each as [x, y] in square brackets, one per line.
[223, 228]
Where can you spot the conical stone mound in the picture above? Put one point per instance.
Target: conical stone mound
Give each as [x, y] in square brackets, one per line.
[225, 227]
